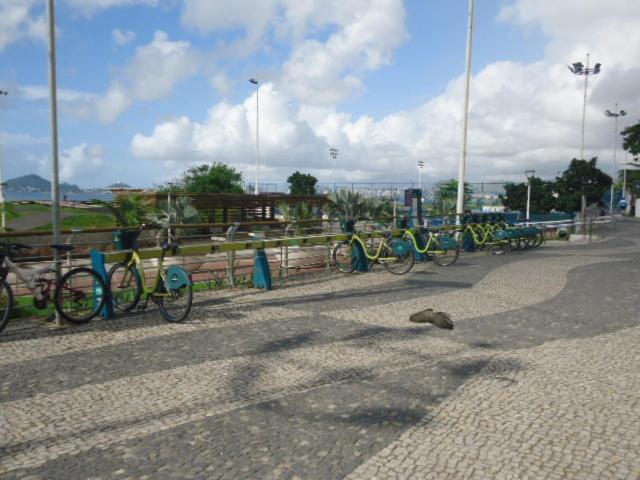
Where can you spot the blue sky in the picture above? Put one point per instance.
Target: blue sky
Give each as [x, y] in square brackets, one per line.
[151, 87]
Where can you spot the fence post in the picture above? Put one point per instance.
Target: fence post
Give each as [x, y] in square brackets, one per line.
[231, 256]
[284, 265]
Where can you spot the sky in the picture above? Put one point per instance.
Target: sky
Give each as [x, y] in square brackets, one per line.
[148, 88]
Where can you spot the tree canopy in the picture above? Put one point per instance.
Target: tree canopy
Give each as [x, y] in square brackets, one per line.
[302, 184]
[631, 139]
[581, 178]
[542, 196]
[447, 196]
[214, 178]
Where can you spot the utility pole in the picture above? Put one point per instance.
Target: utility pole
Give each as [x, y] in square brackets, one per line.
[256, 83]
[579, 69]
[463, 157]
[615, 114]
[55, 184]
[333, 153]
[420, 167]
[3, 93]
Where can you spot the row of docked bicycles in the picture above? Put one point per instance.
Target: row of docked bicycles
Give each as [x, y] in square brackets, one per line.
[80, 293]
[398, 254]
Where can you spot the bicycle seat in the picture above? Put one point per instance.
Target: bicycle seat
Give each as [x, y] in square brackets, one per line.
[170, 246]
[62, 247]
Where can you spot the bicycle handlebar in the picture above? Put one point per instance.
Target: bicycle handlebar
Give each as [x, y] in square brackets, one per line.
[14, 246]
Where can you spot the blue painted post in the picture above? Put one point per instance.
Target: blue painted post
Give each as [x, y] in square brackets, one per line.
[359, 258]
[468, 244]
[97, 263]
[420, 244]
[261, 271]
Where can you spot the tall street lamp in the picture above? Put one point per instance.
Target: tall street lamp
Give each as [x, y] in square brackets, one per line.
[463, 157]
[55, 180]
[579, 69]
[529, 174]
[256, 83]
[420, 167]
[3, 93]
[615, 115]
[333, 153]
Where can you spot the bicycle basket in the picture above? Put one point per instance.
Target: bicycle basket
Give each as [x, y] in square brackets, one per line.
[177, 277]
[448, 243]
[401, 248]
[347, 226]
[125, 239]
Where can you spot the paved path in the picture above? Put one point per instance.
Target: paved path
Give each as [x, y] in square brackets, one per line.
[328, 379]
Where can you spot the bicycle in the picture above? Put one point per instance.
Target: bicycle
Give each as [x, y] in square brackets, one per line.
[395, 255]
[171, 288]
[443, 249]
[78, 295]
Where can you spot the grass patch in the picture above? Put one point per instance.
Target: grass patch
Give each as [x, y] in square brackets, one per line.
[24, 307]
[84, 221]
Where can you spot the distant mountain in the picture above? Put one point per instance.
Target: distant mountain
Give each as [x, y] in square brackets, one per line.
[118, 185]
[35, 183]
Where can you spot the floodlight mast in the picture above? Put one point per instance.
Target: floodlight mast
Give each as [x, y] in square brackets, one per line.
[578, 69]
[333, 153]
[420, 167]
[615, 114]
[463, 157]
[256, 83]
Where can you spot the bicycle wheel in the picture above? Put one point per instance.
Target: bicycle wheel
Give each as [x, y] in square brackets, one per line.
[447, 257]
[80, 295]
[343, 257]
[175, 306]
[6, 304]
[126, 286]
[399, 263]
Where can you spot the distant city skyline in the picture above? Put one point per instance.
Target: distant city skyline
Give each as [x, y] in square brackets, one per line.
[151, 87]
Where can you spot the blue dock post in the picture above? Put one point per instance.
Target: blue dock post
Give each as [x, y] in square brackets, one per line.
[97, 263]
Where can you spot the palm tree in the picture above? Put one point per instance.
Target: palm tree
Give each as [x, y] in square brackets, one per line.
[180, 212]
[348, 205]
[129, 211]
[298, 211]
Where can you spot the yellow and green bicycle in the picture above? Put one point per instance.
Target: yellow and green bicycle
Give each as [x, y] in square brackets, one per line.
[395, 255]
[171, 288]
[441, 248]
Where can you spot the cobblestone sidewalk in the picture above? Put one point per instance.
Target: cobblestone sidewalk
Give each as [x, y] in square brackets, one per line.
[328, 379]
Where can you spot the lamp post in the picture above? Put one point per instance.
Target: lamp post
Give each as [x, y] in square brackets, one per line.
[256, 83]
[615, 115]
[579, 69]
[55, 181]
[463, 157]
[3, 93]
[529, 174]
[420, 167]
[333, 153]
[169, 211]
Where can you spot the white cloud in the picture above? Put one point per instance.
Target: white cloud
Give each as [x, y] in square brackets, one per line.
[91, 7]
[222, 83]
[228, 135]
[328, 72]
[81, 161]
[362, 36]
[223, 15]
[122, 37]
[152, 73]
[21, 139]
[41, 92]
[21, 19]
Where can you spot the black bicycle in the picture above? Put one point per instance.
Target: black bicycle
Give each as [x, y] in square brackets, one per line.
[78, 295]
